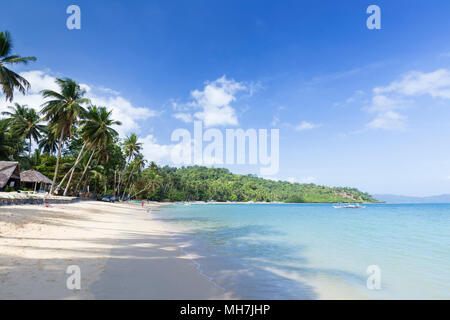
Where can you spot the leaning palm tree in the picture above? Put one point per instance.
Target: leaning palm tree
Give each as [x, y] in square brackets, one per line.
[97, 133]
[9, 80]
[131, 148]
[62, 112]
[25, 123]
[139, 164]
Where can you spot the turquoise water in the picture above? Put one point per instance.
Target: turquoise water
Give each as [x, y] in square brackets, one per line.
[314, 251]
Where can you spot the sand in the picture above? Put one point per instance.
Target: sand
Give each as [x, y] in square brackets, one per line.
[121, 251]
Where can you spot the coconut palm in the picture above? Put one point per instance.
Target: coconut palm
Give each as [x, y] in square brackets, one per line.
[6, 147]
[9, 80]
[138, 163]
[63, 112]
[131, 148]
[48, 144]
[25, 123]
[97, 133]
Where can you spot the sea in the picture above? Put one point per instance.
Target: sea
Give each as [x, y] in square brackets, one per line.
[316, 251]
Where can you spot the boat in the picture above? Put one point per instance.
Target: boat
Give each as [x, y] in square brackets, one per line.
[349, 206]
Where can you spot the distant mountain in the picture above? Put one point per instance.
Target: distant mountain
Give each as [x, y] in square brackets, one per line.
[391, 198]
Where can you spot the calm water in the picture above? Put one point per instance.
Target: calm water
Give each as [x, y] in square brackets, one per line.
[313, 251]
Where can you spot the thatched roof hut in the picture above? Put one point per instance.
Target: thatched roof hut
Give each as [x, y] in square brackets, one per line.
[34, 180]
[9, 173]
[32, 176]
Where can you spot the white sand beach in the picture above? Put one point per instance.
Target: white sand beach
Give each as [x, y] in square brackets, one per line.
[122, 254]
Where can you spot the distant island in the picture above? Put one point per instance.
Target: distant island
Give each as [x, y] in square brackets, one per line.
[199, 183]
[391, 198]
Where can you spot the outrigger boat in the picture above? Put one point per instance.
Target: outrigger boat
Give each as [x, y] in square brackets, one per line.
[349, 206]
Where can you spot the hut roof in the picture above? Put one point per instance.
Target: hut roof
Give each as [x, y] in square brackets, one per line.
[8, 170]
[34, 176]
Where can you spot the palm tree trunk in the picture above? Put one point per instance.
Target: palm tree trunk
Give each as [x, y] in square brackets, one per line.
[129, 178]
[129, 191]
[29, 148]
[121, 174]
[57, 160]
[85, 169]
[115, 187]
[138, 193]
[73, 169]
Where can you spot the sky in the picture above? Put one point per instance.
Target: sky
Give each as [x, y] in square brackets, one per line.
[355, 107]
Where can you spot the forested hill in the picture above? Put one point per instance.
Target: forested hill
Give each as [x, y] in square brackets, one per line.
[201, 183]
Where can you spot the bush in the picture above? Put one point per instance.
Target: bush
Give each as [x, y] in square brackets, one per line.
[296, 198]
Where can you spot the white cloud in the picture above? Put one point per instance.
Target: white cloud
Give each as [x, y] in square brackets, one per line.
[291, 179]
[39, 80]
[306, 126]
[435, 84]
[214, 102]
[388, 120]
[122, 109]
[160, 153]
[383, 103]
[185, 117]
[308, 180]
[154, 151]
[399, 95]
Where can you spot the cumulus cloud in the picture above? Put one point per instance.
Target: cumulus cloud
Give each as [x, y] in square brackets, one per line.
[122, 109]
[163, 153]
[39, 80]
[185, 117]
[382, 103]
[214, 103]
[435, 84]
[388, 120]
[388, 100]
[308, 180]
[304, 125]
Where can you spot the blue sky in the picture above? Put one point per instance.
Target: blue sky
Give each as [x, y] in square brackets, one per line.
[355, 107]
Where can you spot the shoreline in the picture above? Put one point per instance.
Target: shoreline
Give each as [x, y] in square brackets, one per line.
[122, 253]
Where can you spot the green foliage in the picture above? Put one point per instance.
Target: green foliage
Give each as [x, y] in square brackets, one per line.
[203, 184]
[9, 80]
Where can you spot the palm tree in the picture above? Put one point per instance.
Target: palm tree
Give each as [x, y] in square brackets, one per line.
[25, 123]
[9, 80]
[36, 158]
[6, 148]
[62, 112]
[48, 143]
[131, 148]
[139, 163]
[97, 133]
